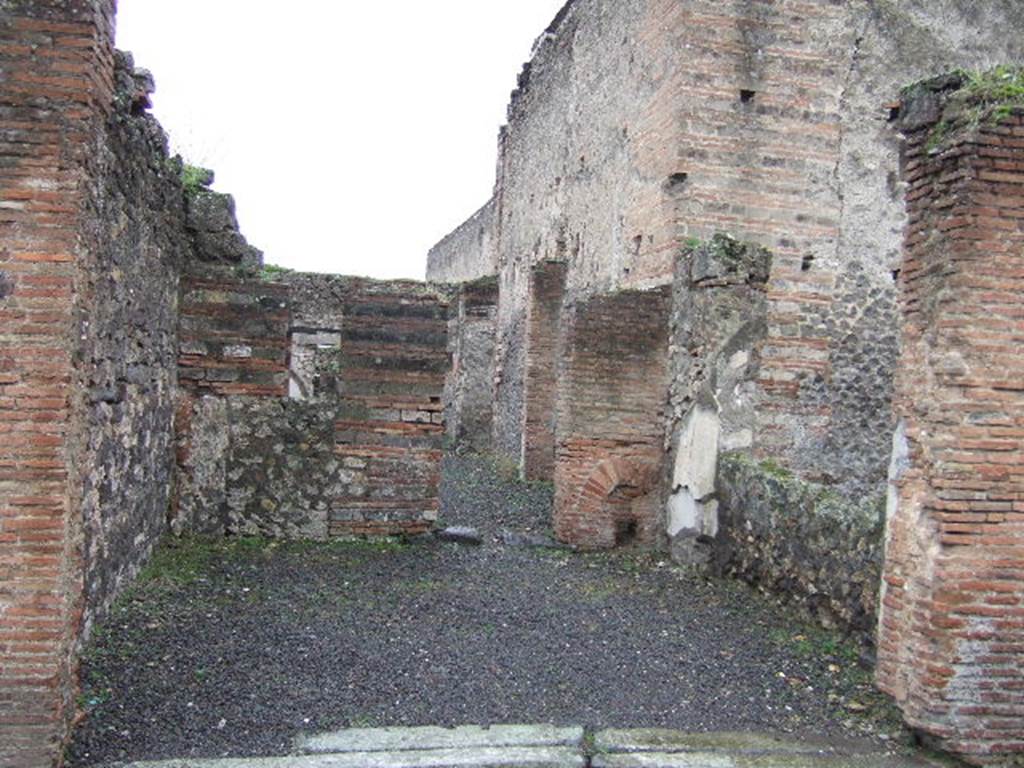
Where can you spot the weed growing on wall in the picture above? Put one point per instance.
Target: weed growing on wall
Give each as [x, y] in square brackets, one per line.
[979, 99]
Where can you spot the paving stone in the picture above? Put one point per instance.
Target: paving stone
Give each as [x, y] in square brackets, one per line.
[727, 760]
[432, 737]
[667, 740]
[477, 757]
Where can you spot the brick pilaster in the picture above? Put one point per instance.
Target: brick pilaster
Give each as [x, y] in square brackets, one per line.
[951, 633]
[56, 69]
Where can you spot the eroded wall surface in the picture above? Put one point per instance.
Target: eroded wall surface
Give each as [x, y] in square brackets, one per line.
[469, 392]
[468, 253]
[640, 124]
[134, 242]
[951, 633]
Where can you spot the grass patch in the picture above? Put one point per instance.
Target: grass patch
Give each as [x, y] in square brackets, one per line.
[774, 469]
[183, 561]
[853, 692]
[982, 99]
[271, 272]
[195, 179]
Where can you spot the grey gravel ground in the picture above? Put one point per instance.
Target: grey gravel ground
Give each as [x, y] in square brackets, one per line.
[234, 648]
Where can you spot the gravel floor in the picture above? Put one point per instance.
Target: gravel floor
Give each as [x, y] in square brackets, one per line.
[233, 648]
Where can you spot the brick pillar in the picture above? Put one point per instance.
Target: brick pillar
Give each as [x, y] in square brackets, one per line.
[547, 289]
[951, 632]
[56, 68]
[612, 397]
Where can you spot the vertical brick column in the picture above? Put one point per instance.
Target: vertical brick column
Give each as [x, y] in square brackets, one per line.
[547, 290]
[611, 404]
[951, 633]
[56, 65]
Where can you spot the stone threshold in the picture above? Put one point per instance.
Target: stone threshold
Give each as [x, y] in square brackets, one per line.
[549, 746]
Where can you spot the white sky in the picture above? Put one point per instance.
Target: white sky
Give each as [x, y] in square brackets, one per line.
[353, 135]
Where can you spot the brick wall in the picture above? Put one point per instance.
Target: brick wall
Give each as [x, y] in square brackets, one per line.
[55, 90]
[233, 335]
[311, 406]
[611, 412]
[641, 123]
[393, 364]
[951, 633]
[543, 322]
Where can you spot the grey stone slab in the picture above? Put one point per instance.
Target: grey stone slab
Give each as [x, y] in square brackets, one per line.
[534, 540]
[432, 737]
[666, 740]
[726, 760]
[480, 757]
[461, 534]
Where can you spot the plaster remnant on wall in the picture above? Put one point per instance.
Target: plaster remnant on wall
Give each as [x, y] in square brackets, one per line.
[692, 508]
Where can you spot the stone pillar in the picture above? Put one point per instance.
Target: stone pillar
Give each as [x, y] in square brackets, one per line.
[951, 631]
[472, 334]
[56, 88]
[543, 323]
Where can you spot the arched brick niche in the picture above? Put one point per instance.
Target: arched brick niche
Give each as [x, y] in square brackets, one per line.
[613, 505]
[610, 420]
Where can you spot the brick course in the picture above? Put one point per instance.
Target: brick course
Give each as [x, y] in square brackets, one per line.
[951, 635]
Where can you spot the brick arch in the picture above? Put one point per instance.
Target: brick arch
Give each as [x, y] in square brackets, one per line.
[606, 510]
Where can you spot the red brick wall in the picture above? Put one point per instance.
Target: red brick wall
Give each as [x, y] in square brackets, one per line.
[951, 634]
[393, 364]
[543, 319]
[233, 335]
[611, 415]
[56, 87]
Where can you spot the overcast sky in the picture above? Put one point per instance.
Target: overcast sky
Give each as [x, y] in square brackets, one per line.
[353, 135]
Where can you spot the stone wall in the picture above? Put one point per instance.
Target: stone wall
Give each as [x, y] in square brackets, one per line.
[804, 541]
[470, 390]
[719, 322]
[951, 634]
[467, 253]
[135, 241]
[543, 365]
[611, 415]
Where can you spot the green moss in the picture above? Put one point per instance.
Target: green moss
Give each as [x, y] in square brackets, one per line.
[185, 560]
[773, 468]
